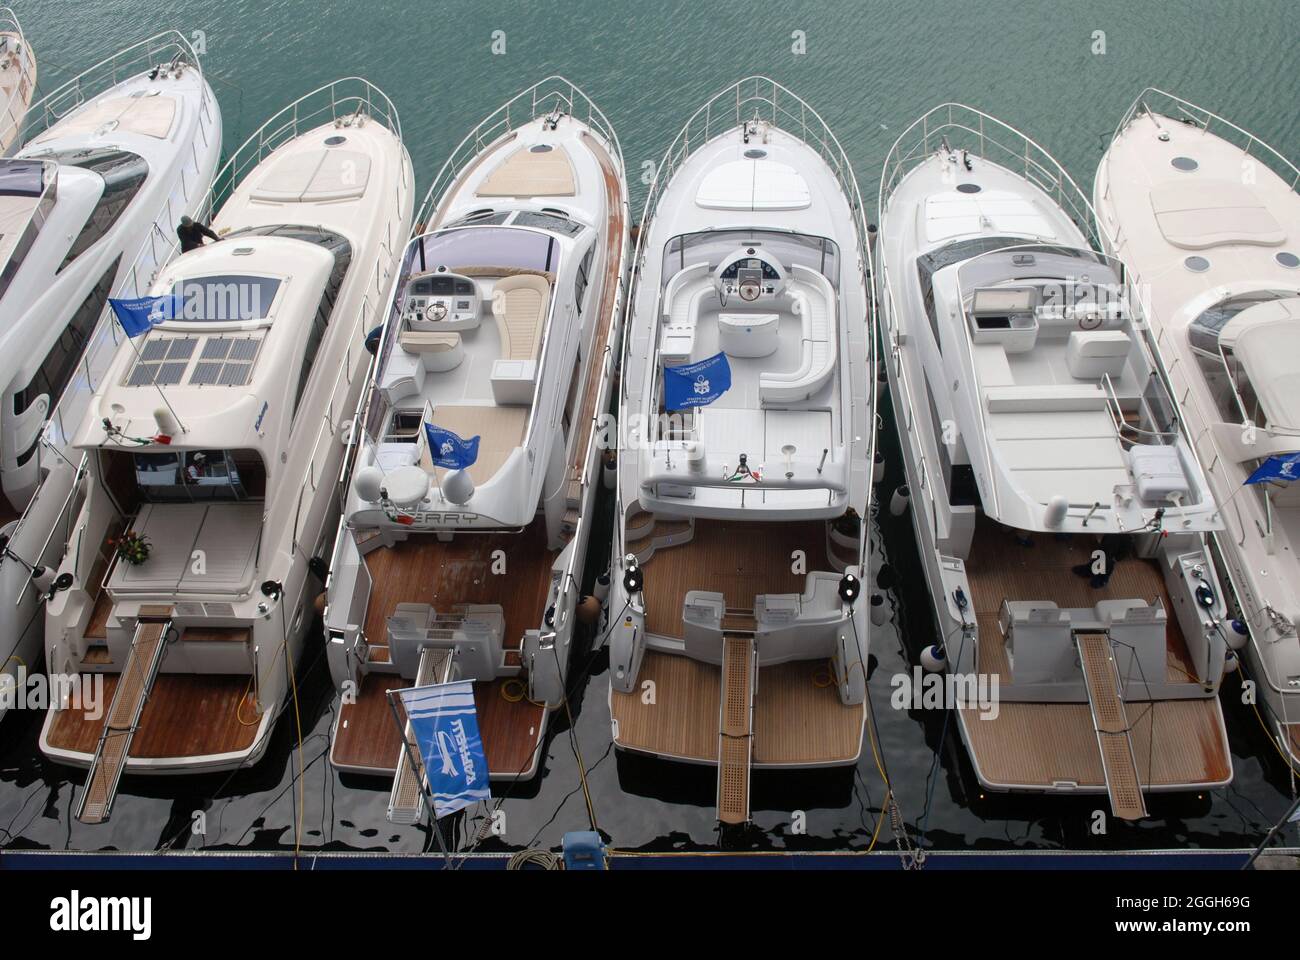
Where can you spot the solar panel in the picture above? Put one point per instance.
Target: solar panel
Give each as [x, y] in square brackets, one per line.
[239, 354]
[216, 348]
[235, 374]
[169, 373]
[141, 375]
[205, 372]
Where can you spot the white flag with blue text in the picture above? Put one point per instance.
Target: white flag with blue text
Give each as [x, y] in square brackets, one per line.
[445, 726]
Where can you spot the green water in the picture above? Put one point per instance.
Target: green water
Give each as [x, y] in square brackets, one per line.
[869, 69]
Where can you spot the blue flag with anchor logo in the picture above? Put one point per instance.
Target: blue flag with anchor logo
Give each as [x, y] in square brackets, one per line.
[1285, 468]
[696, 384]
[444, 724]
[138, 315]
[446, 449]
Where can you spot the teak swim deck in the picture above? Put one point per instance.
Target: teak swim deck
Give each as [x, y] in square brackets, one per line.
[798, 717]
[186, 715]
[366, 736]
[1046, 746]
[739, 560]
[424, 570]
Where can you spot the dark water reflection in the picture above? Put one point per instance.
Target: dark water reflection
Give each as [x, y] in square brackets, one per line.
[639, 803]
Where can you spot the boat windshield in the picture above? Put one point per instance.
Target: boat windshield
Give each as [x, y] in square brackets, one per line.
[483, 247]
[790, 249]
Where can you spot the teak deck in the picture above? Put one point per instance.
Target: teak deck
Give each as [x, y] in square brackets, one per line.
[1037, 745]
[739, 560]
[367, 736]
[1000, 568]
[798, 716]
[186, 715]
[422, 570]
[615, 238]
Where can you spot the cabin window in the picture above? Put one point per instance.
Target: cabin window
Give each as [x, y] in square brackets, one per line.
[123, 174]
[225, 298]
[193, 476]
[59, 364]
[584, 279]
[556, 221]
[321, 319]
[25, 179]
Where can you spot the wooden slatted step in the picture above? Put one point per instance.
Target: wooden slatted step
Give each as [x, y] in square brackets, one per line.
[97, 627]
[735, 729]
[656, 532]
[1110, 718]
[97, 656]
[123, 718]
[406, 801]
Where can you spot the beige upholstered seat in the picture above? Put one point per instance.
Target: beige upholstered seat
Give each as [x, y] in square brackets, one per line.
[519, 305]
[438, 352]
[419, 341]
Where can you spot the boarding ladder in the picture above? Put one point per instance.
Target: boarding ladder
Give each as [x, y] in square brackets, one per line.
[736, 727]
[406, 800]
[133, 686]
[1110, 719]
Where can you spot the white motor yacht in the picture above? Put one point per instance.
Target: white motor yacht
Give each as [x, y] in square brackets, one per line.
[502, 332]
[739, 634]
[214, 446]
[1207, 217]
[1059, 507]
[106, 166]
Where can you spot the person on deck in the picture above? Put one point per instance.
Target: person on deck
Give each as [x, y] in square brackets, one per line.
[1113, 548]
[192, 234]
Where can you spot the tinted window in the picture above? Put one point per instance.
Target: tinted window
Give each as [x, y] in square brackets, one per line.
[123, 174]
[22, 178]
[927, 265]
[580, 286]
[549, 221]
[57, 368]
[225, 297]
[190, 475]
[487, 247]
[320, 321]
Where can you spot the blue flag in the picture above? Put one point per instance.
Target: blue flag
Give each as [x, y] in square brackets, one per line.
[1277, 468]
[137, 316]
[445, 727]
[448, 450]
[696, 384]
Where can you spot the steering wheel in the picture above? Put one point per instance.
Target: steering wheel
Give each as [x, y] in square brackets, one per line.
[436, 312]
